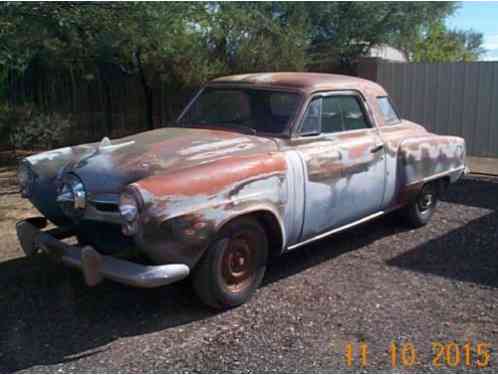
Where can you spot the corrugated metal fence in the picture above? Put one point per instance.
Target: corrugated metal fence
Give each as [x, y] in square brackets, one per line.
[448, 98]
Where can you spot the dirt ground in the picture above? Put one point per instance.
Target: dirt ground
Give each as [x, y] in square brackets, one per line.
[373, 285]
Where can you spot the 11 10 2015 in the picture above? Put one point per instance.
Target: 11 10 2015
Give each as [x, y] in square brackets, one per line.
[404, 355]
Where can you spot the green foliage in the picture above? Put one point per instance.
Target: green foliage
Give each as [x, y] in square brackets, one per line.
[90, 35]
[438, 44]
[190, 42]
[345, 30]
[250, 37]
[182, 44]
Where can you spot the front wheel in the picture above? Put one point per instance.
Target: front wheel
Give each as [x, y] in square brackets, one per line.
[419, 213]
[233, 266]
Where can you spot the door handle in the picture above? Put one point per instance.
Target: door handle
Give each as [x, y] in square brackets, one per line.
[377, 148]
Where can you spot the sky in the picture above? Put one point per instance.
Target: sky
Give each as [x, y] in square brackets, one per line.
[480, 16]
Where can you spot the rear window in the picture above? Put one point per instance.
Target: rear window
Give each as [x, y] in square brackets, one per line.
[390, 115]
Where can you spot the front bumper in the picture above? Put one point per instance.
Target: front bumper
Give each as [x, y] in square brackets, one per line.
[95, 266]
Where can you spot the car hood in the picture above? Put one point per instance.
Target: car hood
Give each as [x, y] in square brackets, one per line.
[108, 166]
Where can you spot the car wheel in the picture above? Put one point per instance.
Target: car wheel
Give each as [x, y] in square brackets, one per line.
[419, 213]
[233, 266]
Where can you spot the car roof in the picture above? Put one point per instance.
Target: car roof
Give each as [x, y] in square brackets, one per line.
[306, 82]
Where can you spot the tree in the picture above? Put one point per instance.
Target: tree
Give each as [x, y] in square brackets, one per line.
[249, 37]
[152, 41]
[183, 44]
[343, 31]
[438, 44]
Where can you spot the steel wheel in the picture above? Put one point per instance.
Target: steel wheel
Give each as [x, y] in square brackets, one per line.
[234, 265]
[239, 262]
[427, 199]
[419, 212]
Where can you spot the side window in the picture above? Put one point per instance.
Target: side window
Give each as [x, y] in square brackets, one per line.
[332, 121]
[390, 115]
[342, 113]
[332, 114]
[311, 121]
[353, 115]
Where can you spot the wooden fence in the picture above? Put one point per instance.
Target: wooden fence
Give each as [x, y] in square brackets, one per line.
[98, 106]
[448, 98]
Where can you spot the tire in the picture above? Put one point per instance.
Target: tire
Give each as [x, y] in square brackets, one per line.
[419, 212]
[233, 266]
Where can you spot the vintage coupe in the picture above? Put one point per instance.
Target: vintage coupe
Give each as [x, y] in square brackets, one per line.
[256, 165]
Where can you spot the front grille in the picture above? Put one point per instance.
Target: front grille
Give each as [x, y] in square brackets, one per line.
[105, 237]
[106, 207]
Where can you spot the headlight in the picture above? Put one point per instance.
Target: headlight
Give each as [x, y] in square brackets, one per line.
[128, 207]
[130, 204]
[26, 179]
[72, 196]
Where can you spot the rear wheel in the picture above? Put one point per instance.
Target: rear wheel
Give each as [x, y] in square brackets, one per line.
[233, 266]
[419, 212]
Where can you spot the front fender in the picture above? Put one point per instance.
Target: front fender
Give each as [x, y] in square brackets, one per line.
[47, 168]
[184, 211]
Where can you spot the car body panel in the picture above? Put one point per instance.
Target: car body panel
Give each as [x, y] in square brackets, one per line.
[192, 181]
[344, 179]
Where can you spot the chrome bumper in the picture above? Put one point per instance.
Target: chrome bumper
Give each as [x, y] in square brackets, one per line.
[95, 266]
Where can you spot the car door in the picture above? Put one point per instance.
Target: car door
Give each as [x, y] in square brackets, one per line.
[344, 161]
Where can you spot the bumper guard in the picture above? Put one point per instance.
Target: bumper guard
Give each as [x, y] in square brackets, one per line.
[95, 266]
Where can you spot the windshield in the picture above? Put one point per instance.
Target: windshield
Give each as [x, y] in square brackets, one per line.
[250, 109]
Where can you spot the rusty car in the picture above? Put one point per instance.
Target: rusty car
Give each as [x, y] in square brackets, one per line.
[256, 165]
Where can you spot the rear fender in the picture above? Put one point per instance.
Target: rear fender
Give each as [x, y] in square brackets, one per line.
[423, 159]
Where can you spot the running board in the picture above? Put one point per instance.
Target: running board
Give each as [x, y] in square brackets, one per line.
[336, 230]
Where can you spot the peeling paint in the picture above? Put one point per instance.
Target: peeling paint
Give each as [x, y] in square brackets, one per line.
[192, 181]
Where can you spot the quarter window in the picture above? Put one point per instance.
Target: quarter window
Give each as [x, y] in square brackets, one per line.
[312, 117]
[388, 112]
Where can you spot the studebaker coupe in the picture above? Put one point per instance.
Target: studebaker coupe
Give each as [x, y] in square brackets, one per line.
[256, 165]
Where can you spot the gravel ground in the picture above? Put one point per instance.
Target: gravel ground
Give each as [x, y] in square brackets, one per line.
[373, 285]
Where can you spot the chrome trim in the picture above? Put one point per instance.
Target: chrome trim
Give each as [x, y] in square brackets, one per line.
[103, 198]
[79, 196]
[72, 196]
[336, 230]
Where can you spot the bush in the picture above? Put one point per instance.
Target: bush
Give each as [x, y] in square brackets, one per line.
[7, 118]
[31, 129]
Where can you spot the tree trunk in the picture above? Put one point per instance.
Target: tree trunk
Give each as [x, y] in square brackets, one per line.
[147, 94]
[105, 78]
[74, 92]
[108, 106]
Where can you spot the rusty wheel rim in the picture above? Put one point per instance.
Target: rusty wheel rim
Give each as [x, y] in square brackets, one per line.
[238, 263]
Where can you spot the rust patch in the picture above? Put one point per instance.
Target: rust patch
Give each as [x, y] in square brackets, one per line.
[213, 177]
